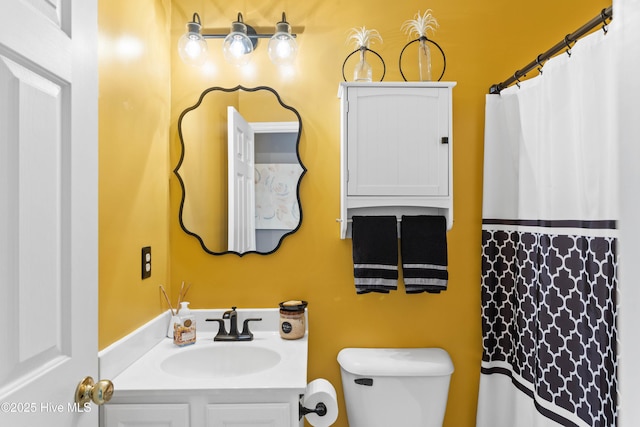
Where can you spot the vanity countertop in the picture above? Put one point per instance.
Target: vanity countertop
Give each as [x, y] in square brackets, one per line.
[287, 372]
[147, 374]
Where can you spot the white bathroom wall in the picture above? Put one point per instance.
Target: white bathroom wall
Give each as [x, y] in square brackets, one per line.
[627, 12]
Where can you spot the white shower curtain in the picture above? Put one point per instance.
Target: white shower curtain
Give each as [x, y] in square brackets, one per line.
[549, 258]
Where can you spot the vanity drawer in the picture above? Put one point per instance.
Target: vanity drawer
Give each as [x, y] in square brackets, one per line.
[249, 415]
[145, 414]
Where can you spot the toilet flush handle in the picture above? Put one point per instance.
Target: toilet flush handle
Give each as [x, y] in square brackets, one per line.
[364, 381]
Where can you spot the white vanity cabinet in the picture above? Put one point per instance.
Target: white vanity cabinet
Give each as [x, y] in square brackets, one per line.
[396, 150]
[257, 383]
[198, 413]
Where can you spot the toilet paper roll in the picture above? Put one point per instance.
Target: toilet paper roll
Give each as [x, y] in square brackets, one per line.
[321, 391]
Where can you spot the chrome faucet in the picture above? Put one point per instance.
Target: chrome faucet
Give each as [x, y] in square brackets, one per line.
[233, 334]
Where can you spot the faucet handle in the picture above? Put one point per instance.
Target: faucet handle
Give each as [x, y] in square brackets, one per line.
[222, 332]
[245, 327]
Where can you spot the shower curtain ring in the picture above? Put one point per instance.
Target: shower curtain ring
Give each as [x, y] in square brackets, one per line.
[603, 15]
[539, 62]
[515, 76]
[567, 41]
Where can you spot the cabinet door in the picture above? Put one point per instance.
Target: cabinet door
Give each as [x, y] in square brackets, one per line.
[395, 141]
[249, 415]
[146, 415]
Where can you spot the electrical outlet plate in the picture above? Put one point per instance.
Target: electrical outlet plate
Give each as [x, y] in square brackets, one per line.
[146, 262]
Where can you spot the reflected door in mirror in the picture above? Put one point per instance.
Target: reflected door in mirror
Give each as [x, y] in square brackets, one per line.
[241, 196]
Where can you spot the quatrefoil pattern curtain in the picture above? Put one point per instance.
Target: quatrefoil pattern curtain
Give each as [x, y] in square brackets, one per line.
[549, 258]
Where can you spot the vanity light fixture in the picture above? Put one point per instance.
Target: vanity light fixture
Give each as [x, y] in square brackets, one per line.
[239, 43]
[192, 46]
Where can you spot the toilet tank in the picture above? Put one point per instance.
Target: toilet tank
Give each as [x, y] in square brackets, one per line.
[395, 386]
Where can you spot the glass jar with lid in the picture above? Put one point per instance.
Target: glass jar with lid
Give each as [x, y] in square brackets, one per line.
[292, 319]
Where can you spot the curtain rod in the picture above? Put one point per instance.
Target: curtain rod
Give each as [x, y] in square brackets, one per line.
[605, 14]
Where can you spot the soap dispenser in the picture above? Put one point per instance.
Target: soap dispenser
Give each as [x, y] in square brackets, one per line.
[184, 330]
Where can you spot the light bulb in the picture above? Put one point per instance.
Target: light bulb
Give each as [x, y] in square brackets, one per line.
[192, 47]
[282, 49]
[237, 45]
[282, 46]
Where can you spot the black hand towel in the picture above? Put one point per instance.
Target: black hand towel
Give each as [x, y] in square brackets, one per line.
[375, 253]
[423, 241]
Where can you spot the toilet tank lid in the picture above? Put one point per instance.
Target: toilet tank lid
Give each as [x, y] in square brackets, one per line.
[396, 361]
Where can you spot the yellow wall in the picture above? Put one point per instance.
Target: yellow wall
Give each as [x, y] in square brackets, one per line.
[134, 107]
[484, 43]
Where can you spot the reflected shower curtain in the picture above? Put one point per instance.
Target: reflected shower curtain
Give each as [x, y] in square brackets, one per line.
[549, 261]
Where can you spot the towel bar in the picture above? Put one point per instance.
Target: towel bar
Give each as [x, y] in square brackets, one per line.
[350, 220]
[346, 222]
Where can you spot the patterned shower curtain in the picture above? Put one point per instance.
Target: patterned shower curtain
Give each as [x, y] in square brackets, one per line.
[549, 258]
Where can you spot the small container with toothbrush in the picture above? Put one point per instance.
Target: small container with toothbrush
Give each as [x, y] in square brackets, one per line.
[184, 328]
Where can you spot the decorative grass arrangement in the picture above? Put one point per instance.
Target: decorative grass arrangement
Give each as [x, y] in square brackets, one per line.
[420, 25]
[363, 37]
[417, 29]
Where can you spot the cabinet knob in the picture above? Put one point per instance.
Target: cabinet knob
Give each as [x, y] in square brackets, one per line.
[445, 140]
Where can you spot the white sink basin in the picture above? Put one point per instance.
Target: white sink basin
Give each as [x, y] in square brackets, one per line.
[221, 361]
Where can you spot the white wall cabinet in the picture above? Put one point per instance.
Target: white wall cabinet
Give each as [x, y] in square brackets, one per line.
[396, 150]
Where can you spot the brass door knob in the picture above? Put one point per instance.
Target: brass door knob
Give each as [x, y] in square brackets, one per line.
[99, 392]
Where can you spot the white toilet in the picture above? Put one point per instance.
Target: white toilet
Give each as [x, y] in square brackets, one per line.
[405, 387]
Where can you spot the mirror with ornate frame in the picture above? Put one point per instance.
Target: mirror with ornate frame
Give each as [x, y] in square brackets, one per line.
[240, 170]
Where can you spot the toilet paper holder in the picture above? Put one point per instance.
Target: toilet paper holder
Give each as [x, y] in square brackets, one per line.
[320, 410]
[319, 404]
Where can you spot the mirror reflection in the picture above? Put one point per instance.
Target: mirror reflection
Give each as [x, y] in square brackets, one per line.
[240, 170]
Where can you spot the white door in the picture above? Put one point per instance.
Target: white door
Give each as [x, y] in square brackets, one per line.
[48, 210]
[242, 195]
